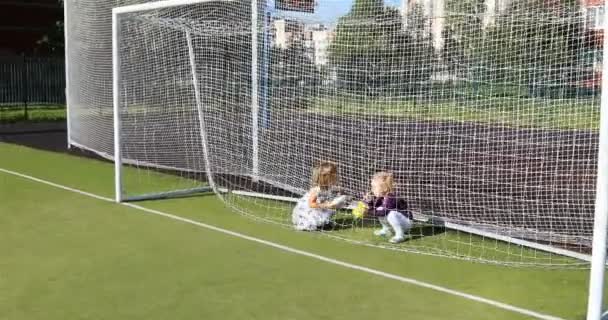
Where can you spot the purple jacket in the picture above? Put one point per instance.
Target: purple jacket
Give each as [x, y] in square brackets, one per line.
[381, 206]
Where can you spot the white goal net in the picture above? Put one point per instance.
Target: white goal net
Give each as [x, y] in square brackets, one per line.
[487, 116]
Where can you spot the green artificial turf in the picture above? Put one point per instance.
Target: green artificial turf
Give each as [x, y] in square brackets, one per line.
[68, 256]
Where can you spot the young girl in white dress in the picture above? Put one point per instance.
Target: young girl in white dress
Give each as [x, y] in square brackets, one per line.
[316, 208]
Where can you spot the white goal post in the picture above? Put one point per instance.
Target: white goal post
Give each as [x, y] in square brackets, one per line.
[119, 161]
[118, 158]
[600, 227]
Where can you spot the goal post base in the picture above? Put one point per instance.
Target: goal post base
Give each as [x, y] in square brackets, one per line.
[169, 194]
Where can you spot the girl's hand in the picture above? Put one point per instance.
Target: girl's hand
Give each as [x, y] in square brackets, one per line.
[368, 197]
[326, 205]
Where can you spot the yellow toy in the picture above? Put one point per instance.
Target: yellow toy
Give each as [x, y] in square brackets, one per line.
[359, 210]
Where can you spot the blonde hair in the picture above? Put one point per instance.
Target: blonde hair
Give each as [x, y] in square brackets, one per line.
[325, 174]
[386, 180]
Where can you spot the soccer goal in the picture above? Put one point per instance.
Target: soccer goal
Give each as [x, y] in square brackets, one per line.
[488, 118]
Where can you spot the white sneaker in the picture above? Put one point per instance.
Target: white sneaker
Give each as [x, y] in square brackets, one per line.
[396, 239]
[381, 232]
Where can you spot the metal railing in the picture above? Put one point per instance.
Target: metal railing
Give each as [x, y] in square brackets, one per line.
[29, 81]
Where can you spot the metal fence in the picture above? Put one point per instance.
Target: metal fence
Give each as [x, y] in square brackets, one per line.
[27, 81]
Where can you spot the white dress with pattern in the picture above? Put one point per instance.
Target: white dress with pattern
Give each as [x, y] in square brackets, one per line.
[306, 218]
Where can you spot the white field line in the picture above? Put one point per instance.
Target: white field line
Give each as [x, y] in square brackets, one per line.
[347, 265]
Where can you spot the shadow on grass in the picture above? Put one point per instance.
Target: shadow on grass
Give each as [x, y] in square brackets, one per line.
[346, 221]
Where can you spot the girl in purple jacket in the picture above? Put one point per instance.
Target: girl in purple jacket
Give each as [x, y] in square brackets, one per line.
[392, 212]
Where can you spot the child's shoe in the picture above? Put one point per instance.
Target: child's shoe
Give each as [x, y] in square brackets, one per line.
[397, 239]
[382, 232]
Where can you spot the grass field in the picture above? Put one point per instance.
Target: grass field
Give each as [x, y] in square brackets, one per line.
[69, 256]
[572, 114]
[35, 113]
[576, 114]
[425, 238]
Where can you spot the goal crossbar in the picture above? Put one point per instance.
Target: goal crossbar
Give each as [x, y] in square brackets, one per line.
[159, 5]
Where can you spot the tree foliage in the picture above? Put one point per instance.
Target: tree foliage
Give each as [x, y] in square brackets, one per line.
[293, 76]
[52, 42]
[374, 54]
[463, 34]
[535, 40]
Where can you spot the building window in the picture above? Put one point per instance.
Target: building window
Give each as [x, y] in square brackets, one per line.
[595, 17]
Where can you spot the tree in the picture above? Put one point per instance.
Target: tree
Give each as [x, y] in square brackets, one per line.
[293, 76]
[373, 54]
[367, 8]
[463, 34]
[53, 40]
[536, 41]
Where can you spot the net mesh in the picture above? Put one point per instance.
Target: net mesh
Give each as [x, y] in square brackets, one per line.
[486, 115]
[89, 59]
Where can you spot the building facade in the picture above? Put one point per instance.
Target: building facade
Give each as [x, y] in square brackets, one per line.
[321, 40]
[593, 11]
[315, 38]
[286, 32]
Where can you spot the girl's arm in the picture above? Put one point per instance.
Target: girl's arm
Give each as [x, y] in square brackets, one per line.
[312, 202]
[312, 199]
